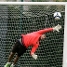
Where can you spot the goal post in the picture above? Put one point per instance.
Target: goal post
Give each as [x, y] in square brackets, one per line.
[24, 17]
[65, 39]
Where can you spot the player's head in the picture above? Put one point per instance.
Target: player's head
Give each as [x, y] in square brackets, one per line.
[43, 36]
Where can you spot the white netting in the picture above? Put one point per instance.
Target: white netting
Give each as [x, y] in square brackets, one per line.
[14, 20]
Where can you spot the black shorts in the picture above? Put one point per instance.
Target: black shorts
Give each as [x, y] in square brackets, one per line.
[19, 48]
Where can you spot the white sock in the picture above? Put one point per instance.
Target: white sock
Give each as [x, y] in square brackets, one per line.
[8, 62]
[12, 65]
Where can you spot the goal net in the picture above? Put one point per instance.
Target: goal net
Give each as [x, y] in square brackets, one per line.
[18, 19]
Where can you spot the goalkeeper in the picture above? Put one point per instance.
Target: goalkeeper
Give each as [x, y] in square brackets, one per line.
[30, 39]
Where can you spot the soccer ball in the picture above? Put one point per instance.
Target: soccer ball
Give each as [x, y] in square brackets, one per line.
[57, 15]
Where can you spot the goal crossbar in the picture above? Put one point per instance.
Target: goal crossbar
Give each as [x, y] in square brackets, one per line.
[32, 3]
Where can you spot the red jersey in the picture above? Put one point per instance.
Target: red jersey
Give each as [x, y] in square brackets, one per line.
[32, 39]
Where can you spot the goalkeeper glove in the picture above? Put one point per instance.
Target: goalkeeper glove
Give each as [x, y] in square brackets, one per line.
[34, 56]
[57, 28]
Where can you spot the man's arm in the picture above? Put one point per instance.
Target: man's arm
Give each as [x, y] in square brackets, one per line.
[34, 48]
[45, 30]
[56, 28]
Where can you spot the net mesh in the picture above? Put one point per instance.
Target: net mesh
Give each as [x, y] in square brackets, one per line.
[16, 19]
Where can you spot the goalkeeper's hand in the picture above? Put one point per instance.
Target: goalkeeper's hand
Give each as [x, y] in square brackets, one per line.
[57, 28]
[34, 56]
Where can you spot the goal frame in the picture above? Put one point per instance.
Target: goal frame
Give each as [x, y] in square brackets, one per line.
[64, 64]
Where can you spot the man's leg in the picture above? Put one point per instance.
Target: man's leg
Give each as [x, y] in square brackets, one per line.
[10, 56]
[20, 50]
[15, 60]
[9, 59]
